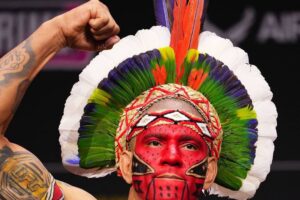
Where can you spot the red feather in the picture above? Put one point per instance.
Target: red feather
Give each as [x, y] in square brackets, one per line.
[186, 30]
[196, 78]
[160, 74]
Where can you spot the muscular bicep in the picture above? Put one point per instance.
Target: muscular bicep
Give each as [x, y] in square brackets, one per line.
[22, 175]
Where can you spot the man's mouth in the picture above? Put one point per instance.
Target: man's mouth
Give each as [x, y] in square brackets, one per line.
[169, 176]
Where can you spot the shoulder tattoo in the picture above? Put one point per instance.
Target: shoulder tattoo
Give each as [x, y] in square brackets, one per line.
[22, 176]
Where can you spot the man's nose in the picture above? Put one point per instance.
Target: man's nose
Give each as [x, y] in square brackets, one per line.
[171, 156]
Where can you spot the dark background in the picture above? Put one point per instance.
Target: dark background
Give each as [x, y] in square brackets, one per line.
[35, 125]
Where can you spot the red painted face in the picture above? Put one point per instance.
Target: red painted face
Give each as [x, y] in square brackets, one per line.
[170, 162]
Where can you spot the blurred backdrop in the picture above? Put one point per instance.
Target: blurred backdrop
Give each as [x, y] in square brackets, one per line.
[268, 30]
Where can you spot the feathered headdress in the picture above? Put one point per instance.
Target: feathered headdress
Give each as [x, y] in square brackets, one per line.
[162, 57]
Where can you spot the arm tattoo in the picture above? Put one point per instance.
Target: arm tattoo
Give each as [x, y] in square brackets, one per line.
[22, 176]
[17, 64]
[20, 93]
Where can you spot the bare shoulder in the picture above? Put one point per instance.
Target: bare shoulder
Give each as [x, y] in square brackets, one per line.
[74, 193]
[22, 175]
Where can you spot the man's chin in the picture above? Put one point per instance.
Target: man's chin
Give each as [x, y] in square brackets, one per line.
[169, 187]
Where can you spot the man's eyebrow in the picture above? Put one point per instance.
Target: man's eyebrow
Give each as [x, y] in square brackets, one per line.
[156, 135]
[187, 137]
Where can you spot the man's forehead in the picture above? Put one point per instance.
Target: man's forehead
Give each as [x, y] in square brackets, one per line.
[173, 104]
[164, 131]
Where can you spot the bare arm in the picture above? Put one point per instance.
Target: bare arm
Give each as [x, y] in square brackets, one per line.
[89, 26]
[19, 67]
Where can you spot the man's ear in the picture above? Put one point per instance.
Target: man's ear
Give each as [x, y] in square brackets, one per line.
[211, 173]
[125, 165]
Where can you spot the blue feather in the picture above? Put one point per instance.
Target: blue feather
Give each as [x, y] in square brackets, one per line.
[74, 161]
[164, 12]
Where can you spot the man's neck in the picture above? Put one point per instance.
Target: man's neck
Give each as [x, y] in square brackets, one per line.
[133, 195]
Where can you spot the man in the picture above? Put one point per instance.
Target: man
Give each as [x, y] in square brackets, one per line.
[22, 176]
[172, 114]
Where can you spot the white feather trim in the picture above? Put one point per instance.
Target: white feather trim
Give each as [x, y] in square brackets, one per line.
[151, 40]
[224, 192]
[263, 158]
[222, 50]
[267, 116]
[255, 83]
[210, 43]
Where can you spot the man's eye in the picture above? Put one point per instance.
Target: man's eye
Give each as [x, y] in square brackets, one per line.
[190, 147]
[154, 143]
